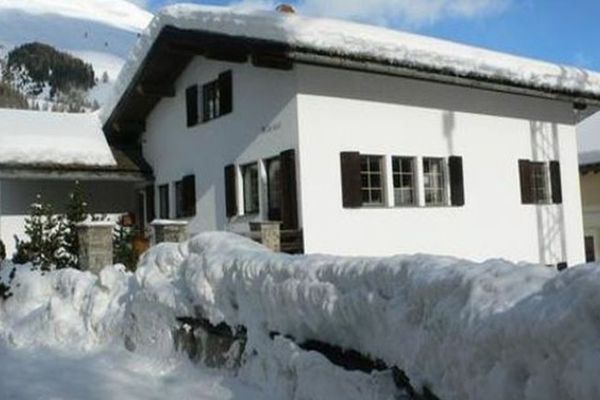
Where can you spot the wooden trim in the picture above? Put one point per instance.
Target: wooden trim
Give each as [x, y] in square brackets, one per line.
[555, 182]
[289, 193]
[191, 102]
[525, 181]
[457, 188]
[351, 181]
[231, 207]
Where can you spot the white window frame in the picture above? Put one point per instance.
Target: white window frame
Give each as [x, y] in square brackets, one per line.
[414, 188]
[444, 184]
[382, 183]
[242, 168]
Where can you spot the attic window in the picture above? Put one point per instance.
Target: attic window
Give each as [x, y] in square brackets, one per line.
[217, 97]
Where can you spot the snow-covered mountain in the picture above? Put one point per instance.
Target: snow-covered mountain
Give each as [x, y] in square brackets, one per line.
[100, 32]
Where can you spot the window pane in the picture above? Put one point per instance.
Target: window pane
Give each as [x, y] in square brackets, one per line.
[250, 183]
[433, 181]
[372, 180]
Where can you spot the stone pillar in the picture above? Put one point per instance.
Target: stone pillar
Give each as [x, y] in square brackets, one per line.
[95, 245]
[270, 234]
[169, 231]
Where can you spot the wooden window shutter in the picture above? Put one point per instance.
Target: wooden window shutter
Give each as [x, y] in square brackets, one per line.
[457, 186]
[556, 182]
[526, 181]
[226, 92]
[351, 181]
[189, 195]
[230, 191]
[150, 212]
[289, 193]
[191, 100]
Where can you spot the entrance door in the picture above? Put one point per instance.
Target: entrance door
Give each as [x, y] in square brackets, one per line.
[274, 188]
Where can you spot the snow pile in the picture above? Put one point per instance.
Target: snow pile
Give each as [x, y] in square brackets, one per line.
[492, 330]
[356, 40]
[44, 138]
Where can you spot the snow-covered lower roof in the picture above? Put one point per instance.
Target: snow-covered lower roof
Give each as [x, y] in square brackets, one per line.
[35, 138]
[357, 41]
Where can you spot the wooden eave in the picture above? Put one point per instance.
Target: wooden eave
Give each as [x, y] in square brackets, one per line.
[175, 48]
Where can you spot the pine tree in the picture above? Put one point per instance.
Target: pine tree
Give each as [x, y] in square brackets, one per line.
[123, 246]
[76, 212]
[45, 245]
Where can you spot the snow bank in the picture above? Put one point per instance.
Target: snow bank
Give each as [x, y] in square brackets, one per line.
[352, 39]
[492, 330]
[44, 138]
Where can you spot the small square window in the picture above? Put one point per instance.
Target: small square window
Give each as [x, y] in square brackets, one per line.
[372, 180]
[250, 187]
[434, 182]
[403, 170]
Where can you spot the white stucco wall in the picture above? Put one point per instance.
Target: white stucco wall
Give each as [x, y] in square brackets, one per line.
[349, 111]
[104, 198]
[263, 124]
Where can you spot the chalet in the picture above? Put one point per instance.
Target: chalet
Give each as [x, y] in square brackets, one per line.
[43, 154]
[368, 141]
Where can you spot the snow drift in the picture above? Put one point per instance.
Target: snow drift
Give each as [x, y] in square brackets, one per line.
[466, 330]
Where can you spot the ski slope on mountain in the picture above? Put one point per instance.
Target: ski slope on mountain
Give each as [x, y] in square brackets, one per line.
[100, 32]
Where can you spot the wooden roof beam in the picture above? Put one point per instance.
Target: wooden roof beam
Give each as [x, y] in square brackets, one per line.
[156, 90]
[130, 126]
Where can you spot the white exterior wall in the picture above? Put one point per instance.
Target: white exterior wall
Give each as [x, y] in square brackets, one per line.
[350, 111]
[263, 123]
[104, 198]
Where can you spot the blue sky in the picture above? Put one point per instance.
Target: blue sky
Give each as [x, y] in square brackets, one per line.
[563, 31]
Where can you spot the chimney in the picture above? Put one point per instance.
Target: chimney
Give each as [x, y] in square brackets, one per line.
[285, 9]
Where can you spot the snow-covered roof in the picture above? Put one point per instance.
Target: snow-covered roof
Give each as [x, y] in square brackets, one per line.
[352, 40]
[52, 139]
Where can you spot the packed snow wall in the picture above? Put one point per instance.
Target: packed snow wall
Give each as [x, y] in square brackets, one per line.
[465, 330]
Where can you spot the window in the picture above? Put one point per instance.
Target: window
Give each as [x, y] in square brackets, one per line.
[371, 180]
[433, 181]
[539, 182]
[211, 98]
[403, 172]
[185, 197]
[217, 97]
[163, 194]
[250, 186]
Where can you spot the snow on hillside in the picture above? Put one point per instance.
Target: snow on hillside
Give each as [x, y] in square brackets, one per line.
[492, 330]
[101, 32]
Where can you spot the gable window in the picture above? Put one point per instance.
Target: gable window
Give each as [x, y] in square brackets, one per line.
[250, 186]
[403, 172]
[163, 194]
[371, 180]
[433, 181]
[217, 97]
